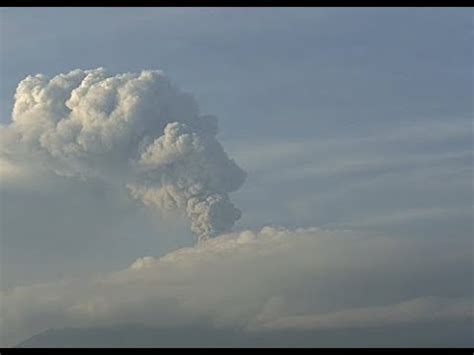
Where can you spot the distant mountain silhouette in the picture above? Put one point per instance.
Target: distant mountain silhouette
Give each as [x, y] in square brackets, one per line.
[453, 334]
[133, 335]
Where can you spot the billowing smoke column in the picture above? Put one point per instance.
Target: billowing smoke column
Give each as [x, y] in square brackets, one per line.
[132, 129]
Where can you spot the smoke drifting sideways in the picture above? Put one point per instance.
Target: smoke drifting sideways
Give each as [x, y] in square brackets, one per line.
[134, 130]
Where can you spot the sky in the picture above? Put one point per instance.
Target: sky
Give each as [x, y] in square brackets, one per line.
[351, 131]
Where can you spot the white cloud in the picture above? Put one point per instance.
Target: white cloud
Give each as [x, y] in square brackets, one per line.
[10, 172]
[273, 278]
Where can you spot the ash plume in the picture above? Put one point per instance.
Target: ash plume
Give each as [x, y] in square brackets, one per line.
[135, 130]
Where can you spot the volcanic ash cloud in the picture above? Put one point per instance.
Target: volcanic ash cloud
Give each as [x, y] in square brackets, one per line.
[135, 130]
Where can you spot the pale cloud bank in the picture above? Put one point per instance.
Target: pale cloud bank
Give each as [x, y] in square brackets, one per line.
[258, 281]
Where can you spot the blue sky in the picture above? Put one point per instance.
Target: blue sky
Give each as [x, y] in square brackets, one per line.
[356, 119]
